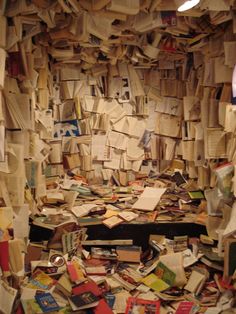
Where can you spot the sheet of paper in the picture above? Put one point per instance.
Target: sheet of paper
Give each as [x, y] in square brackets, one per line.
[100, 151]
[114, 163]
[117, 140]
[149, 199]
[21, 222]
[168, 125]
[215, 143]
[170, 105]
[134, 151]
[82, 210]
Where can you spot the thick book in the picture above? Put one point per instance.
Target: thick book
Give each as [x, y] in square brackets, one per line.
[129, 253]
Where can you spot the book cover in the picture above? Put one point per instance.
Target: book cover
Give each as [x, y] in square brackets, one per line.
[89, 286]
[155, 283]
[84, 299]
[139, 306]
[102, 308]
[165, 273]
[185, 307]
[40, 280]
[47, 302]
[31, 306]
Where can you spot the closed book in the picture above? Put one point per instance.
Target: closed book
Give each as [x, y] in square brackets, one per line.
[129, 253]
[89, 286]
[83, 300]
[102, 308]
[185, 307]
[47, 302]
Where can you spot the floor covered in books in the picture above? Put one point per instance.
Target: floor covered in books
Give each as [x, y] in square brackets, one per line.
[144, 248]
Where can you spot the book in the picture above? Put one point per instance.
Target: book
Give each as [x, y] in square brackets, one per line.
[185, 307]
[40, 280]
[102, 308]
[46, 302]
[75, 272]
[138, 305]
[103, 253]
[88, 286]
[164, 273]
[155, 283]
[84, 300]
[112, 221]
[128, 253]
[229, 257]
[149, 199]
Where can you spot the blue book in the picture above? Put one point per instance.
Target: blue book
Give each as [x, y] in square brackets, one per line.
[47, 302]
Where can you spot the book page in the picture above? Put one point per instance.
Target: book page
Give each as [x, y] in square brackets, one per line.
[215, 143]
[149, 199]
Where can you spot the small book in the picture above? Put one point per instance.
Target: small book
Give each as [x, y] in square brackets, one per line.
[47, 302]
[196, 195]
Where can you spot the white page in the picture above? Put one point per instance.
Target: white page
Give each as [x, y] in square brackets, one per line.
[117, 140]
[114, 163]
[21, 221]
[82, 210]
[100, 151]
[7, 297]
[149, 199]
[134, 151]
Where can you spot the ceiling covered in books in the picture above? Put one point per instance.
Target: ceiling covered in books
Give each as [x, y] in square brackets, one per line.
[89, 33]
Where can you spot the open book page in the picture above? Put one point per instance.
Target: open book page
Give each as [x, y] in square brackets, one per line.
[149, 199]
[100, 151]
[215, 143]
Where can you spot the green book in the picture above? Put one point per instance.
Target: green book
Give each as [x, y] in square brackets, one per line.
[155, 283]
[196, 195]
[165, 273]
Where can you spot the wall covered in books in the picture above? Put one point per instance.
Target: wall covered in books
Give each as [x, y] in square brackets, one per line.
[110, 90]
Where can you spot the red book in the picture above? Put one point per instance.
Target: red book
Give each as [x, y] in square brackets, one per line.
[102, 308]
[4, 256]
[185, 307]
[89, 286]
[136, 305]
